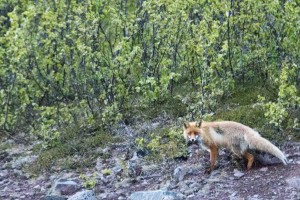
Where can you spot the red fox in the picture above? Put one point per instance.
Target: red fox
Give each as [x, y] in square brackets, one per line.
[232, 135]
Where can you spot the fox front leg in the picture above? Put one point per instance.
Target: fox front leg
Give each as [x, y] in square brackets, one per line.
[213, 158]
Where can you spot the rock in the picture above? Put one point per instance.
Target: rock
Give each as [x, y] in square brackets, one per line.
[155, 195]
[166, 185]
[37, 187]
[215, 173]
[120, 166]
[267, 159]
[179, 173]
[189, 191]
[125, 183]
[134, 169]
[237, 173]
[134, 157]
[103, 196]
[264, 169]
[294, 182]
[65, 187]
[3, 174]
[183, 187]
[117, 170]
[149, 169]
[53, 197]
[83, 195]
[195, 186]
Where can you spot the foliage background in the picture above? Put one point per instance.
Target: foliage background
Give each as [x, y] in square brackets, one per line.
[99, 63]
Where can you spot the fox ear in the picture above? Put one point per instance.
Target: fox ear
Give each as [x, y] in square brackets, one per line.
[198, 123]
[186, 125]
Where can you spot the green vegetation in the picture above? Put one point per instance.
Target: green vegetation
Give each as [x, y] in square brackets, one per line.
[74, 149]
[94, 64]
[106, 172]
[163, 144]
[89, 182]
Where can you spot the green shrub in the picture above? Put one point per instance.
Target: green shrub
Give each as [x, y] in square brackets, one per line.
[163, 144]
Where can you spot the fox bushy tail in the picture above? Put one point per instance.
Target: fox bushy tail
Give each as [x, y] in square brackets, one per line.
[260, 143]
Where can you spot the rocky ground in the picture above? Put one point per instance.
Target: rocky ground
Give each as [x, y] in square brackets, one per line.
[126, 172]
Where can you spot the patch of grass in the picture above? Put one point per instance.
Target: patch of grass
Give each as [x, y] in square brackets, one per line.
[247, 95]
[106, 172]
[74, 141]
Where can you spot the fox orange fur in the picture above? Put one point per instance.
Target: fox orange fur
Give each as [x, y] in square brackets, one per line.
[229, 134]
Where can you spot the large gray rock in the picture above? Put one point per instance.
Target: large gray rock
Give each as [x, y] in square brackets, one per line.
[65, 187]
[83, 195]
[155, 195]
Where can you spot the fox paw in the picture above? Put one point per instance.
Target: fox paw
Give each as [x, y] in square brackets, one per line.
[207, 171]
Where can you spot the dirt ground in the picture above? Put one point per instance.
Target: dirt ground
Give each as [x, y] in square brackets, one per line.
[269, 179]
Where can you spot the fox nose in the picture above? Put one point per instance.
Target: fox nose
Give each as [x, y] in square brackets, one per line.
[193, 140]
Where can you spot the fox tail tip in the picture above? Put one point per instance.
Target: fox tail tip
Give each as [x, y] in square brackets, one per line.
[285, 161]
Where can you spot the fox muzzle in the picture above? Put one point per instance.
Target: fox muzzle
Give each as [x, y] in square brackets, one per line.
[196, 140]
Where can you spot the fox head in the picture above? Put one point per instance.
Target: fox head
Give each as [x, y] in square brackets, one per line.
[191, 131]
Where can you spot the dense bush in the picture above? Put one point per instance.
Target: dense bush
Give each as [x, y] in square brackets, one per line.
[93, 62]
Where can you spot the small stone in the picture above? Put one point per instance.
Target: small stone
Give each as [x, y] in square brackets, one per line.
[3, 174]
[189, 192]
[134, 157]
[233, 194]
[238, 174]
[195, 186]
[37, 187]
[179, 173]
[264, 169]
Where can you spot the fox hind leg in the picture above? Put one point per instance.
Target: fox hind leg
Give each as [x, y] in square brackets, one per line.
[250, 159]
